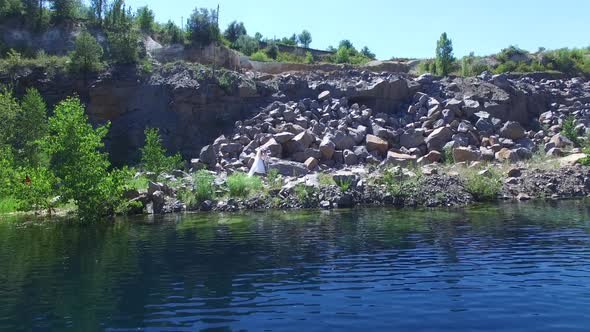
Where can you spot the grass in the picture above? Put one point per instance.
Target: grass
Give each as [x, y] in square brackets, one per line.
[261, 57]
[304, 193]
[8, 205]
[204, 189]
[399, 184]
[51, 64]
[241, 185]
[326, 179]
[138, 183]
[483, 188]
[273, 179]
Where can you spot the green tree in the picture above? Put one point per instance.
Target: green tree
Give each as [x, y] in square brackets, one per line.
[64, 10]
[292, 41]
[10, 8]
[98, 7]
[234, 31]
[146, 19]
[38, 191]
[246, 45]
[345, 44]
[9, 110]
[171, 34]
[367, 53]
[305, 38]
[202, 26]
[76, 159]
[87, 54]
[30, 127]
[444, 55]
[153, 154]
[7, 171]
[258, 37]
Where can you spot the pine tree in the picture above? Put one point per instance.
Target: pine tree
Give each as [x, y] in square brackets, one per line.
[444, 55]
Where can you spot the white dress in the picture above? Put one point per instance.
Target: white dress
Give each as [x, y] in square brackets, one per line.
[258, 166]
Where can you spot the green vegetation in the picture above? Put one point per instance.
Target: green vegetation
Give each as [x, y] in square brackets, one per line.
[304, 193]
[87, 55]
[569, 130]
[241, 185]
[202, 27]
[304, 38]
[483, 187]
[273, 178]
[348, 54]
[153, 154]
[400, 184]
[444, 55]
[260, 56]
[204, 189]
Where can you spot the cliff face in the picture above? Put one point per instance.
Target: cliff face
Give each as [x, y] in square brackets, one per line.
[192, 105]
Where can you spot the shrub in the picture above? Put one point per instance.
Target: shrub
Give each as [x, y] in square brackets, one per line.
[260, 56]
[227, 82]
[153, 154]
[246, 45]
[241, 185]
[272, 51]
[74, 147]
[204, 189]
[483, 188]
[568, 129]
[304, 193]
[87, 54]
[171, 34]
[399, 184]
[274, 179]
[290, 58]
[308, 58]
[344, 186]
[123, 45]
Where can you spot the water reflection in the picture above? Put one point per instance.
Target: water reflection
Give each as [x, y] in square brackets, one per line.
[519, 264]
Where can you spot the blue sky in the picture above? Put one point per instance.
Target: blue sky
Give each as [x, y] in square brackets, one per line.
[404, 28]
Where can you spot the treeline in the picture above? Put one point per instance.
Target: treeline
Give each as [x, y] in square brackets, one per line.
[53, 161]
[510, 60]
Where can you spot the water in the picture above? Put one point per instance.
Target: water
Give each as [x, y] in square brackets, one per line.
[521, 267]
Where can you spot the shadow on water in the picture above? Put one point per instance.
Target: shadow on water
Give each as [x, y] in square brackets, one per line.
[232, 271]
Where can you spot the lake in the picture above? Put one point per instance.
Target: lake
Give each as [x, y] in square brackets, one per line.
[509, 267]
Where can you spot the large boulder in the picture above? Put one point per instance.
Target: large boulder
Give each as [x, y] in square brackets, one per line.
[438, 138]
[375, 143]
[208, 156]
[288, 168]
[327, 148]
[512, 130]
[343, 141]
[411, 138]
[275, 148]
[506, 154]
[398, 159]
[462, 154]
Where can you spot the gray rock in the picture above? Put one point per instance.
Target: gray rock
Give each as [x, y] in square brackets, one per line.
[208, 156]
[438, 138]
[411, 138]
[512, 130]
[288, 168]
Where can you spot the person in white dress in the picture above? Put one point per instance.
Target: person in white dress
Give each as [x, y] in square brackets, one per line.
[260, 163]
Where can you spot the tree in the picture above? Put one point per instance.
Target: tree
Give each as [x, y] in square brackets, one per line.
[234, 31]
[87, 55]
[258, 37]
[202, 26]
[9, 109]
[38, 191]
[272, 50]
[76, 159]
[31, 127]
[367, 53]
[98, 7]
[10, 8]
[153, 154]
[444, 55]
[292, 41]
[65, 9]
[345, 44]
[246, 45]
[146, 19]
[304, 38]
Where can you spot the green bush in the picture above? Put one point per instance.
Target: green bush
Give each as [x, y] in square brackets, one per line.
[304, 193]
[286, 57]
[273, 179]
[123, 46]
[87, 54]
[272, 51]
[399, 184]
[482, 187]
[202, 26]
[246, 45]
[145, 19]
[241, 185]
[153, 154]
[568, 129]
[260, 56]
[308, 58]
[204, 189]
[38, 192]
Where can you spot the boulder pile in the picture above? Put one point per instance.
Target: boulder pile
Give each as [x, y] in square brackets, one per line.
[383, 119]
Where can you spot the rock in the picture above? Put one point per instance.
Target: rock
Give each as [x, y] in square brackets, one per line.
[327, 148]
[208, 156]
[158, 200]
[375, 143]
[523, 197]
[350, 157]
[560, 141]
[512, 130]
[438, 138]
[288, 168]
[506, 154]
[411, 139]
[325, 205]
[343, 141]
[398, 159]
[283, 137]
[461, 154]
[311, 163]
[572, 159]
[206, 206]
[430, 157]
[275, 148]
[153, 187]
[514, 172]
[325, 95]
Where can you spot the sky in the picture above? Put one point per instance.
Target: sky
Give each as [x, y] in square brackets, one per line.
[407, 28]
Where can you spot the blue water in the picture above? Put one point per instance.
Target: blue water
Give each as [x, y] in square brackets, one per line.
[520, 267]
